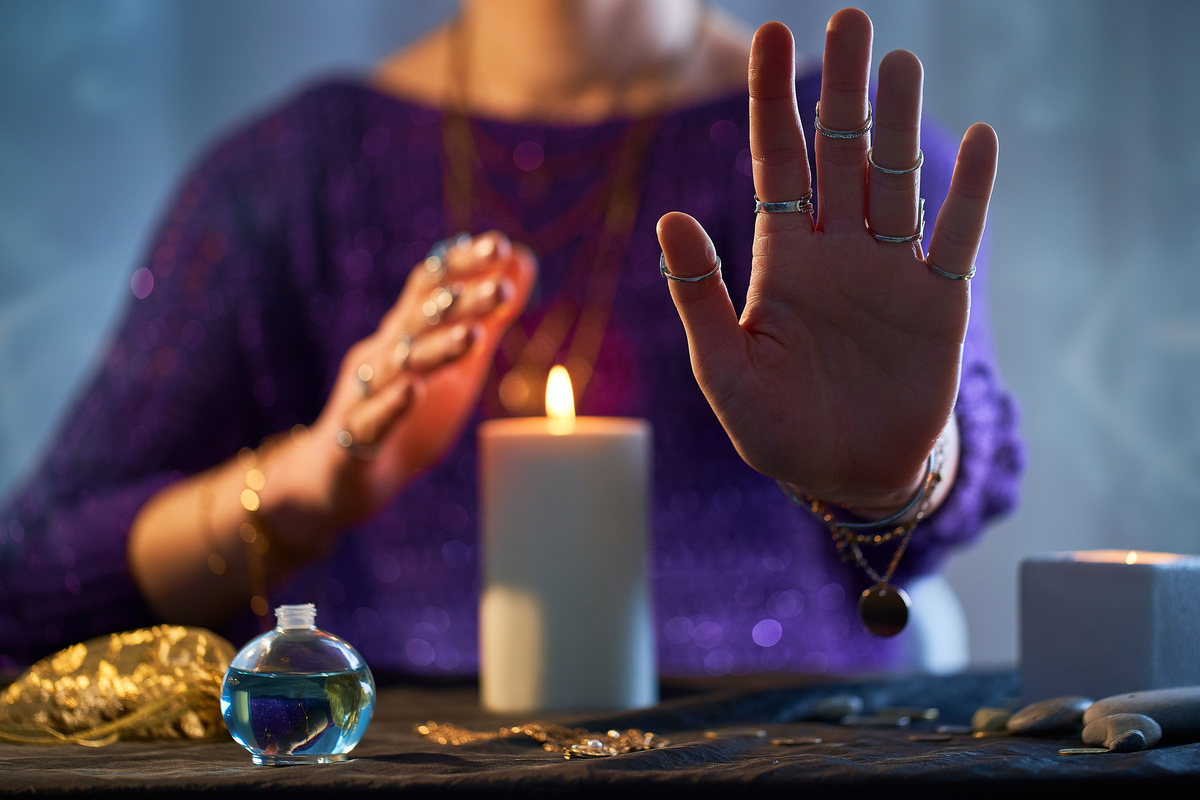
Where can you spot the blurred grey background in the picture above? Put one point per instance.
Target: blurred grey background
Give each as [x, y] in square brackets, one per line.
[1095, 291]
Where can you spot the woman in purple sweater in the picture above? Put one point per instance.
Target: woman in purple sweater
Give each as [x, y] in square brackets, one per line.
[271, 424]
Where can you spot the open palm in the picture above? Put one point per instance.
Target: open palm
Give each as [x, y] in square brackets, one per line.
[843, 370]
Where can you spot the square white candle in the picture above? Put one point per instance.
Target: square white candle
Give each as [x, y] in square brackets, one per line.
[1103, 622]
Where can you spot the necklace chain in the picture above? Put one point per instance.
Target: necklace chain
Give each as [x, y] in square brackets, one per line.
[600, 221]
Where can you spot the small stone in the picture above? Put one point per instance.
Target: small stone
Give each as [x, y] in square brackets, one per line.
[1177, 710]
[859, 721]
[1050, 716]
[990, 720]
[834, 707]
[1123, 733]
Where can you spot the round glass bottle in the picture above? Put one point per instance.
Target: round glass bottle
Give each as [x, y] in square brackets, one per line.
[296, 694]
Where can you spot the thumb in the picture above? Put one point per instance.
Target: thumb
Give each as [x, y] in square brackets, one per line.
[708, 315]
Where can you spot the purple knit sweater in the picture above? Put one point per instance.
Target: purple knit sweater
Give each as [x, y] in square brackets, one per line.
[287, 244]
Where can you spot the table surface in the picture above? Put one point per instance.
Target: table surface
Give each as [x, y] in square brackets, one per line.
[714, 749]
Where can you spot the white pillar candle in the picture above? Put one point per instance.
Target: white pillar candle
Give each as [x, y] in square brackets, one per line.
[565, 614]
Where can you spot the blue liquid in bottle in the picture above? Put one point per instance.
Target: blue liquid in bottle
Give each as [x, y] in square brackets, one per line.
[296, 694]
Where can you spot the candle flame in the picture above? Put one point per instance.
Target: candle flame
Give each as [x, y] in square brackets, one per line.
[1131, 558]
[560, 399]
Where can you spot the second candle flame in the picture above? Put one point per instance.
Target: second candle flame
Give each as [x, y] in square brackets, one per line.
[560, 399]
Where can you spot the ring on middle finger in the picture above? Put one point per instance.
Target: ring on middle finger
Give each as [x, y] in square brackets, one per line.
[854, 134]
[438, 303]
[916, 237]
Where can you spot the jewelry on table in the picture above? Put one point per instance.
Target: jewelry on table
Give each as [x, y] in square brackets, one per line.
[571, 742]
[662, 267]
[883, 608]
[854, 134]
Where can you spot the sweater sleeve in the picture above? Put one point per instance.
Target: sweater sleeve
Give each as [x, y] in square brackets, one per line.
[174, 392]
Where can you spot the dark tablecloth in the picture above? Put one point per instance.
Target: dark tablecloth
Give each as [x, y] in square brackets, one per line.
[851, 761]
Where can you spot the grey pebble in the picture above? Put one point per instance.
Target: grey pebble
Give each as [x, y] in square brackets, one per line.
[990, 720]
[1176, 710]
[1052, 715]
[834, 707]
[1123, 733]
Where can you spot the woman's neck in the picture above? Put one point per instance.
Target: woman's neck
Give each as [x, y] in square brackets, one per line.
[582, 60]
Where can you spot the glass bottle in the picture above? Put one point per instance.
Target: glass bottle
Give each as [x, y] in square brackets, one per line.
[296, 694]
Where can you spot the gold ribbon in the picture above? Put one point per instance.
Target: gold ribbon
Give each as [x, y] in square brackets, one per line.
[152, 683]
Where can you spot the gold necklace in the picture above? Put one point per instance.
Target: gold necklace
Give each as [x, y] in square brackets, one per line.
[573, 327]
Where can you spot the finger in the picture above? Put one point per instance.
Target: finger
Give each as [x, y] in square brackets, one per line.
[367, 422]
[777, 146]
[892, 199]
[440, 347]
[449, 262]
[708, 315]
[477, 299]
[959, 226]
[470, 255]
[845, 72]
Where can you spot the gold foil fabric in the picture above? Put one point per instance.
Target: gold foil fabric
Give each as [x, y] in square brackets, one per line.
[152, 683]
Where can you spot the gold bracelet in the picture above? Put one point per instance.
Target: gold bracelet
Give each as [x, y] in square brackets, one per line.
[253, 531]
[216, 562]
[883, 608]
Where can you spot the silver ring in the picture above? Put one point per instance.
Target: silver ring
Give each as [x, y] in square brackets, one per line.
[662, 267]
[913, 168]
[802, 206]
[402, 351]
[364, 373]
[435, 261]
[437, 304]
[345, 440]
[854, 134]
[954, 276]
[916, 237]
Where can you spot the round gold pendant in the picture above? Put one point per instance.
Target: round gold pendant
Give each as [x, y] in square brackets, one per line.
[883, 609]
